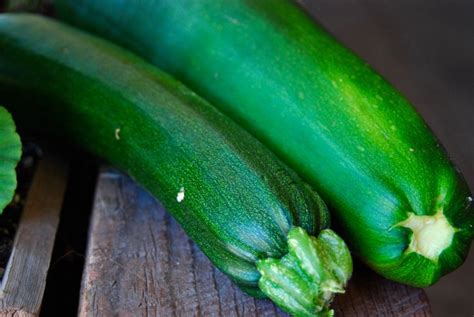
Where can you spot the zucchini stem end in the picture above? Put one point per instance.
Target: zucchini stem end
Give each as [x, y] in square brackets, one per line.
[303, 282]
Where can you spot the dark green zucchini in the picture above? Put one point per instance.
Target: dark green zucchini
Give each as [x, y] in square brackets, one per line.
[253, 217]
[401, 204]
[10, 153]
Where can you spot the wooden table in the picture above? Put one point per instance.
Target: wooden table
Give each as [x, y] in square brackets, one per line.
[139, 262]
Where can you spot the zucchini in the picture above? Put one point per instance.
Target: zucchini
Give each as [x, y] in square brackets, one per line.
[401, 205]
[10, 154]
[253, 217]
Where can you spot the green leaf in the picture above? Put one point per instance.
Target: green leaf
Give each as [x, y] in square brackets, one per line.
[10, 153]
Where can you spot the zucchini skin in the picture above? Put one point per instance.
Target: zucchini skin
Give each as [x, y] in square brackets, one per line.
[323, 110]
[239, 201]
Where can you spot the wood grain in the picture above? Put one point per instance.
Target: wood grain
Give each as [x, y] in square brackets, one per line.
[139, 262]
[25, 277]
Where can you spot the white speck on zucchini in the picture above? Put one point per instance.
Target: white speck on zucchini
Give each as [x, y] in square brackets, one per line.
[232, 20]
[180, 196]
[117, 134]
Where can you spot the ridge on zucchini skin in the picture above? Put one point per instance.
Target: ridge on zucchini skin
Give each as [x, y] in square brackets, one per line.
[230, 194]
[323, 110]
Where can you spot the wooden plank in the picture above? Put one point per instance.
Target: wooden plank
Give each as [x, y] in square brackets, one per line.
[24, 282]
[140, 263]
[369, 294]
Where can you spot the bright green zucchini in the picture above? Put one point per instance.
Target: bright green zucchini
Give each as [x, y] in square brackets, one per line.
[250, 215]
[402, 206]
[10, 153]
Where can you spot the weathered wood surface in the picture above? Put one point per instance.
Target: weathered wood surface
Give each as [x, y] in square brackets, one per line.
[24, 281]
[139, 262]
